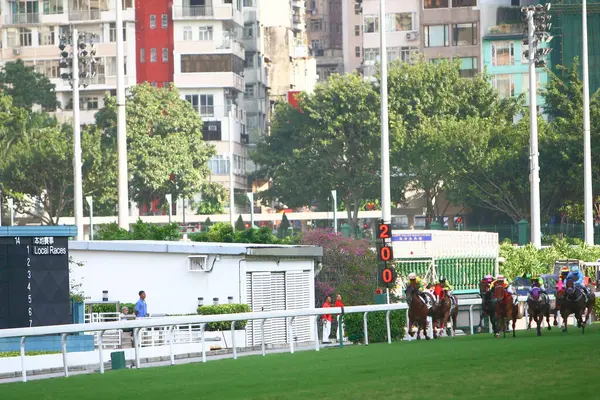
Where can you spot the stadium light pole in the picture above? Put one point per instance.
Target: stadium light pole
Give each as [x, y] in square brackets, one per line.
[587, 143]
[386, 206]
[123, 181]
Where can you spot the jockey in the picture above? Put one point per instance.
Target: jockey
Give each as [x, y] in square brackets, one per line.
[444, 285]
[500, 280]
[564, 271]
[577, 276]
[416, 282]
[537, 282]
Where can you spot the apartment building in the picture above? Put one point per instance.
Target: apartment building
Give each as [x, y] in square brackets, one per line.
[30, 31]
[451, 29]
[402, 32]
[208, 69]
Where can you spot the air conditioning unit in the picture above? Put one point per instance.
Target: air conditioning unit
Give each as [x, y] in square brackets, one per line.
[16, 51]
[197, 263]
[237, 171]
[412, 35]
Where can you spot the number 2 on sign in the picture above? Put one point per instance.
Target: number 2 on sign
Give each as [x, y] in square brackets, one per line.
[384, 231]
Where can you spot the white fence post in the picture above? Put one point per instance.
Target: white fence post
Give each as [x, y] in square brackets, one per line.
[100, 352]
[387, 323]
[233, 340]
[262, 337]
[136, 345]
[291, 333]
[23, 370]
[316, 328]
[203, 342]
[171, 338]
[366, 328]
[63, 342]
[470, 318]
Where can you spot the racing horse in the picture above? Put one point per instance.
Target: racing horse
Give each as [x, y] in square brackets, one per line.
[576, 302]
[538, 304]
[505, 311]
[446, 308]
[487, 306]
[418, 311]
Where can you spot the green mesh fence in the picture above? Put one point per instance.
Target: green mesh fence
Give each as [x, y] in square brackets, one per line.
[464, 273]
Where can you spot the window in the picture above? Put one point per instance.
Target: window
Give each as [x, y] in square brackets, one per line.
[525, 85]
[316, 25]
[357, 51]
[49, 68]
[435, 3]
[371, 55]
[249, 60]
[153, 21]
[164, 21]
[248, 31]
[407, 54]
[193, 100]
[11, 38]
[165, 54]
[153, 55]
[207, 106]
[53, 7]
[357, 9]
[249, 92]
[325, 72]
[206, 33]
[88, 103]
[399, 22]
[465, 3]
[187, 33]
[25, 37]
[371, 24]
[356, 30]
[192, 63]
[504, 85]
[219, 165]
[142, 55]
[436, 36]
[46, 36]
[503, 53]
[464, 34]
[468, 67]
[112, 32]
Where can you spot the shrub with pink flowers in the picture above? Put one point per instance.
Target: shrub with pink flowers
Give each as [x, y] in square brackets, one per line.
[349, 267]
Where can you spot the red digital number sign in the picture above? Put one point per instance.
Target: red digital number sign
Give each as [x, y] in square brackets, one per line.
[386, 253]
[388, 275]
[384, 231]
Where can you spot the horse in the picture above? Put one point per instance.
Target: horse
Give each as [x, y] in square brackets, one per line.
[504, 309]
[417, 313]
[487, 305]
[444, 310]
[538, 304]
[575, 302]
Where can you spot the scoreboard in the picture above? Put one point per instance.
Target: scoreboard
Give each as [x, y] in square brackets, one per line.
[34, 277]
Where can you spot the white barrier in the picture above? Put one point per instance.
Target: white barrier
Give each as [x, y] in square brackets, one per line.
[202, 320]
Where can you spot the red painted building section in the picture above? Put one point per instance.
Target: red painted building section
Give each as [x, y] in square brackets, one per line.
[293, 97]
[154, 30]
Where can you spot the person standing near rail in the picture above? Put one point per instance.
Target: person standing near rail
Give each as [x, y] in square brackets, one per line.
[141, 309]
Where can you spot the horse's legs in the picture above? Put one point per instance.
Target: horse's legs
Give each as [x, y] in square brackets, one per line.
[425, 325]
[548, 319]
[539, 319]
[529, 323]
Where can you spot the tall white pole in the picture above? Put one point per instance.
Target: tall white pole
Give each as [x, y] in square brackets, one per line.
[231, 188]
[587, 143]
[251, 198]
[534, 176]
[123, 180]
[77, 179]
[334, 198]
[386, 202]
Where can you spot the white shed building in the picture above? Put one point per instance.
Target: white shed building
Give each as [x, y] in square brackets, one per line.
[175, 275]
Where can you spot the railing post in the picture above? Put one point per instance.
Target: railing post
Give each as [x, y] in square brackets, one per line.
[136, 345]
[63, 342]
[100, 352]
[387, 323]
[202, 325]
[470, 318]
[233, 340]
[316, 329]
[262, 337]
[23, 371]
[291, 333]
[366, 328]
[171, 338]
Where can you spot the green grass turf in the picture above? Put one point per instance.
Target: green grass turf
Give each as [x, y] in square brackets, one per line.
[480, 367]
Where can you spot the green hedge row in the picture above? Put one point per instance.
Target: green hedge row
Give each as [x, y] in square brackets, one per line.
[376, 326]
[6, 354]
[224, 309]
[111, 308]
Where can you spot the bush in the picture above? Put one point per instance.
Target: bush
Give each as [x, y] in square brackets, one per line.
[6, 354]
[110, 308]
[222, 232]
[224, 309]
[140, 231]
[376, 325]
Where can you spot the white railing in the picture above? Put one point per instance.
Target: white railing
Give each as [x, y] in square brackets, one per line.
[170, 323]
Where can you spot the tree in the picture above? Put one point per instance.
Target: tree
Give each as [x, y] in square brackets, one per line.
[26, 86]
[239, 224]
[282, 231]
[166, 153]
[214, 197]
[332, 142]
[422, 97]
[39, 171]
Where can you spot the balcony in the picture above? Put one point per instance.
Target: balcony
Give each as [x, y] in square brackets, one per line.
[297, 22]
[22, 19]
[214, 12]
[298, 3]
[227, 43]
[255, 75]
[218, 45]
[209, 80]
[84, 15]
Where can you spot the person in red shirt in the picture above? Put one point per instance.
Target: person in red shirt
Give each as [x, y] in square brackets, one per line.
[338, 303]
[326, 321]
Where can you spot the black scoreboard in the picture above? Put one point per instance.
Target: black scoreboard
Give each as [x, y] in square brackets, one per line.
[34, 278]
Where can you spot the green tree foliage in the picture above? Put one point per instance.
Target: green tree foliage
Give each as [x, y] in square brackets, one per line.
[331, 143]
[166, 153]
[139, 231]
[239, 224]
[424, 98]
[283, 229]
[214, 198]
[26, 86]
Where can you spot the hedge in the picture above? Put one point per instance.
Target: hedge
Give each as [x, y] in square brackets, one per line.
[224, 309]
[376, 326]
[110, 308]
[6, 354]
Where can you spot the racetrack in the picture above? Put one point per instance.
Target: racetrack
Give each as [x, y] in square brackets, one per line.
[551, 366]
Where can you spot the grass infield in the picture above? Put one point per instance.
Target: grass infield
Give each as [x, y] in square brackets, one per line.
[551, 366]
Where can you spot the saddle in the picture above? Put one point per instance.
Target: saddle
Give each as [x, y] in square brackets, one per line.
[429, 299]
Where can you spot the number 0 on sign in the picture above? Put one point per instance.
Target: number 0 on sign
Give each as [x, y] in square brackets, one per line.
[385, 253]
[388, 275]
